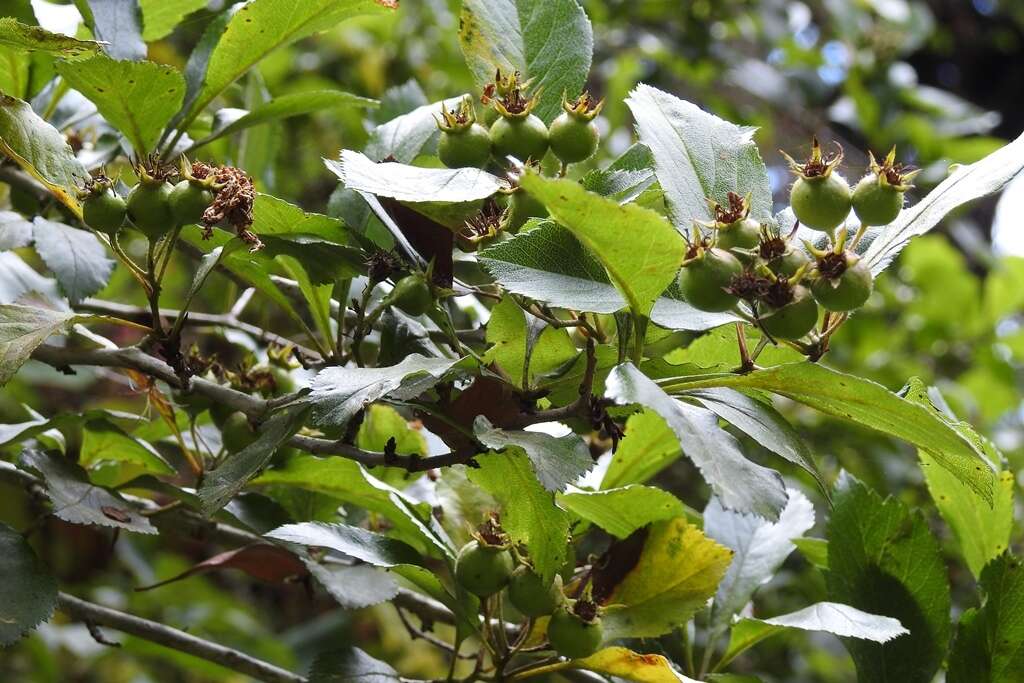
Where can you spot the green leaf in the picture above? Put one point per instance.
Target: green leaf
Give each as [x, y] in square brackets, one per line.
[41, 151]
[383, 423]
[103, 441]
[548, 41]
[762, 423]
[528, 511]
[137, 98]
[622, 511]
[642, 272]
[28, 592]
[557, 461]
[78, 501]
[884, 559]
[989, 645]
[698, 155]
[23, 37]
[76, 258]
[160, 17]
[871, 405]
[255, 268]
[815, 550]
[624, 664]
[413, 183]
[351, 666]
[409, 135]
[964, 184]
[23, 329]
[982, 530]
[549, 264]
[353, 586]
[261, 26]
[363, 545]
[738, 482]
[511, 348]
[349, 481]
[231, 476]
[675, 574]
[230, 121]
[339, 393]
[824, 617]
[117, 24]
[649, 446]
[759, 546]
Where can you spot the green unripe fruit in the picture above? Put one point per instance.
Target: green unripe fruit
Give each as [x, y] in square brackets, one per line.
[469, 147]
[792, 320]
[482, 569]
[573, 139]
[847, 292]
[523, 137]
[703, 280]
[189, 200]
[237, 434]
[789, 263]
[876, 203]
[149, 208]
[284, 383]
[522, 206]
[104, 211]
[191, 402]
[743, 234]
[528, 593]
[412, 295]
[219, 413]
[573, 637]
[821, 202]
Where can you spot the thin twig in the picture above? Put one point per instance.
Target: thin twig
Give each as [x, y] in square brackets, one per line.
[155, 632]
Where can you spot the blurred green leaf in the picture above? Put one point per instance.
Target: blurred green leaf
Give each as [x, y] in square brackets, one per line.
[550, 42]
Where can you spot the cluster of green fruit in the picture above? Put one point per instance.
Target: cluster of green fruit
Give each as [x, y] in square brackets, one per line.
[154, 206]
[515, 130]
[784, 283]
[236, 430]
[488, 564]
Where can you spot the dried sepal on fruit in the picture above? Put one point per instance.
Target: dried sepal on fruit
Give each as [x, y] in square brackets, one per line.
[843, 282]
[573, 135]
[464, 142]
[103, 209]
[518, 132]
[733, 226]
[879, 195]
[149, 202]
[191, 195]
[820, 196]
[484, 565]
[707, 274]
[786, 309]
[575, 630]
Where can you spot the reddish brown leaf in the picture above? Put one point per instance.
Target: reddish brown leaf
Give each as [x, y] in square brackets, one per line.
[260, 560]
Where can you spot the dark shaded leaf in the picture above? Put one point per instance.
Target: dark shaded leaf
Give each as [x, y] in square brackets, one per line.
[28, 592]
[78, 501]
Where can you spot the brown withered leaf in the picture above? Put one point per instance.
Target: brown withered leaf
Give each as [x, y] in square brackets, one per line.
[262, 561]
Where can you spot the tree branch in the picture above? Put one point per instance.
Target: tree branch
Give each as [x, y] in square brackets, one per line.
[256, 408]
[175, 639]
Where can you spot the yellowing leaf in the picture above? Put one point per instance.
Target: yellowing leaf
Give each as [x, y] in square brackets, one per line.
[677, 572]
[632, 666]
